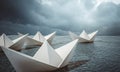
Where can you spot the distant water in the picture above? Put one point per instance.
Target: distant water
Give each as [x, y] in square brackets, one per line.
[101, 56]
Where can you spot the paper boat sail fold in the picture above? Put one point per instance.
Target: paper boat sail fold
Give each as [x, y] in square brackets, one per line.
[39, 37]
[50, 37]
[84, 35]
[20, 34]
[5, 41]
[92, 35]
[20, 38]
[18, 43]
[73, 36]
[66, 52]
[47, 54]
[31, 42]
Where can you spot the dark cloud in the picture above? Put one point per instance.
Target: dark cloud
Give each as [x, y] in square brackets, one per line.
[58, 15]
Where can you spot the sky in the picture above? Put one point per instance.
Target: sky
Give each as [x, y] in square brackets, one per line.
[46, 16]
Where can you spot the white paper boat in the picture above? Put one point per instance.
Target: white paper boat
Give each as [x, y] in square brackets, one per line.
[39, 37]
[45, 59]
[24, 40]
[15, 44]
[84, 37]
[18, 43]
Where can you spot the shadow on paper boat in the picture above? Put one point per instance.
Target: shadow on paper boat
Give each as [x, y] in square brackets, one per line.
[87, 42]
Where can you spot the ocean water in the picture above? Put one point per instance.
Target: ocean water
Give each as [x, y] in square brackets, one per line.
[103, 55]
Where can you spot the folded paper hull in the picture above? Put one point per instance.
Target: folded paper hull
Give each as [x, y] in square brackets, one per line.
[84, 40]
[73, 36]
[25, 63]
[32, 42]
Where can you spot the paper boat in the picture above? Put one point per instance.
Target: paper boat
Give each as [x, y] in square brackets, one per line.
[39, 37]
[15, 44]
[18, 43]
[45, 59]
[84, 37]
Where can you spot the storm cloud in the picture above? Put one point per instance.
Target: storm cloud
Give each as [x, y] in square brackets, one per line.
[29, 16]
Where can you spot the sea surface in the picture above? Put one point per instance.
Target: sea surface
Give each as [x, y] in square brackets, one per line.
[103, 55]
